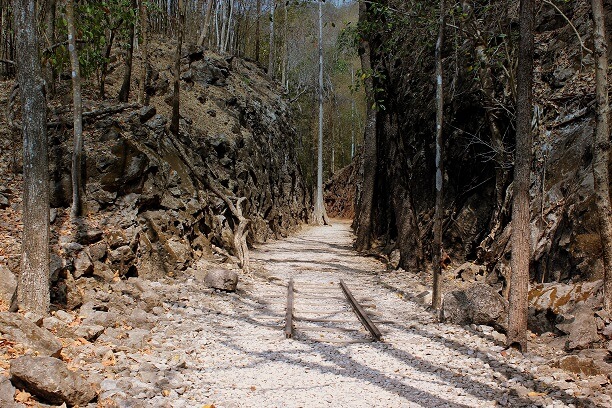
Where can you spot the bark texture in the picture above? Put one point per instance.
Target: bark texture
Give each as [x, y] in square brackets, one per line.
[124, 92]
[521, 243]
[176, 98]
[33, 286]
[601, 148]
[364, 222]
[436, 298]
[319, 214]
[77, 153]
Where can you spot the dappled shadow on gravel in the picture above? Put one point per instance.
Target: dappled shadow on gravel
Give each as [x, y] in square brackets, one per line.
[505, 369]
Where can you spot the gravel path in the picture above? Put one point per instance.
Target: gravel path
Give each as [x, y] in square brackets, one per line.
[229, 349]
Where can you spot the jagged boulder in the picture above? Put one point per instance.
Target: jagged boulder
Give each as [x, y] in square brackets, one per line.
[581, 328]
[50, 379]
[222, 279]
[479, 304]
[17, 328]
[8, 284]
[7, 394]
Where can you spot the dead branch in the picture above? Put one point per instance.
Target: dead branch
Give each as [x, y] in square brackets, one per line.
[95, 114]
[584, 47]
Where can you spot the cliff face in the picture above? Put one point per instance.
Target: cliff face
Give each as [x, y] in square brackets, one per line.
[478, 172]
[150, 210]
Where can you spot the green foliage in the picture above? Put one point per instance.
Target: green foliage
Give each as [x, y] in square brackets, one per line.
[94, 22]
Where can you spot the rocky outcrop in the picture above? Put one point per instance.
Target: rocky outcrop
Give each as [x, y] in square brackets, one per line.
[153, 198]
[50, 379]
[222, 279]
[17, 328]
[477, 175]
[479, 304]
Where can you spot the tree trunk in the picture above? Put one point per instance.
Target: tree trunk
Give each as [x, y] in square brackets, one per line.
[285, 46]
[107, 53]
[33, 286]
[77, 153]
[601, 148]
[124, 93]
[144, 65]
[436, 250]
[206, 28]
[521, 246]
[258, 31]
[271, 55]
[174, 124]
[50, 40]
[319, 215]
[364, 224]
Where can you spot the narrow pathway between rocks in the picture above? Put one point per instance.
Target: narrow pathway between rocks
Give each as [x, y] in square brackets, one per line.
[229, 349]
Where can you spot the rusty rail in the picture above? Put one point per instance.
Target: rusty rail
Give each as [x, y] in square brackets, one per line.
[289, 312]
[361, 314]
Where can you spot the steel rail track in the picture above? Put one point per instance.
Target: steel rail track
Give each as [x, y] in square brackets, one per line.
[355, 306]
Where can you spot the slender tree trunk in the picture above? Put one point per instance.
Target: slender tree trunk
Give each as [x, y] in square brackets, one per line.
[144, 65]
[258, 31]
[521, 246]
[364, 224]
[436, 299]
[204, 33]
[229, 30]
[50, 40]
[77, 153]
[271, 62]
[174, 125]
[601, 148]
[319, 215]
[285, 45]
[107, 53]
[33, 285]
[124, 93]
[352, 114]
[224, 11]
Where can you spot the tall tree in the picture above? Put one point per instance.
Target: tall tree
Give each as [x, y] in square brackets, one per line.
[601, 148]
[258, 31]
[33, 286]
[521, 246]
[320, 215]
[370, 157]
[77, 152]
[50, 40]
[176, 100]
[124, 93]
[437, 238]
[271, 62]
[144, 65]
[206, 28]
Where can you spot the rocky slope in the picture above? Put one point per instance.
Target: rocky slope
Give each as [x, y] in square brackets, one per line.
[156, 202]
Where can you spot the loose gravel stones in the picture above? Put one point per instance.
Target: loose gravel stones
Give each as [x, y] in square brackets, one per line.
[205, 346]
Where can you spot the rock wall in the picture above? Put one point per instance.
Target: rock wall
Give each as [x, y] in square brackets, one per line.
[149, 209]
[563, 225]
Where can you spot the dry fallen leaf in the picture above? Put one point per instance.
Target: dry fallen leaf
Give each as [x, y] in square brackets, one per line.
[536, 394]
[22, 396]
[208, 406]
[165, 393]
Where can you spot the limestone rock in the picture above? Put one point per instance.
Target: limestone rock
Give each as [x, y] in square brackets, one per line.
[7, 394]
[8, 284]
[587, 362]
[50, 379]
[581, 328]
[82, 265]
[469, 272]
[222, 279]
[16, 328]
[478, 304]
